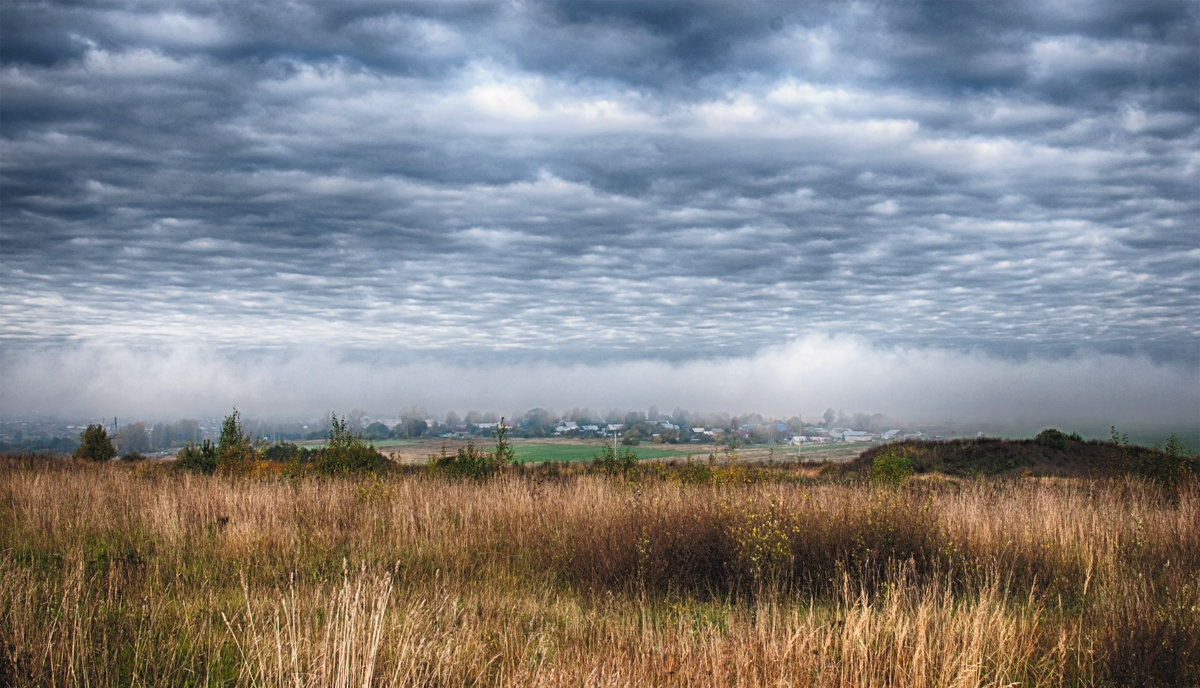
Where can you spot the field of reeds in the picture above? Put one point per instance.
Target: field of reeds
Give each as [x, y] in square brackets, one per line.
[120, 575]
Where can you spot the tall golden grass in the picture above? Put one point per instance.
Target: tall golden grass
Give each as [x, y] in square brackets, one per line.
[134, 576]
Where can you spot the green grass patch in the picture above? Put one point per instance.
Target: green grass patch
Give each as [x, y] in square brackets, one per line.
[539, 453]
[378, 444]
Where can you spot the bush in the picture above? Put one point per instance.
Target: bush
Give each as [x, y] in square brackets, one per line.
[613, 463]
[94, 444]
[346, 452]
[471, 462]
[202, 459]
[891, 467]
[1054, 438]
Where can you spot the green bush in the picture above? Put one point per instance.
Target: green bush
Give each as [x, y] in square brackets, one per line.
[1054, 438]
[94, 444]
[891, 467]
[614, 463]
[346, 452]
[472, 462]
[202, 459]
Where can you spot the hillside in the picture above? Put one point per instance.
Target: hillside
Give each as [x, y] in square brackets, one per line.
[1051, 453]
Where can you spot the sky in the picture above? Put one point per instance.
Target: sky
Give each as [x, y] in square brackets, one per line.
[933, 210]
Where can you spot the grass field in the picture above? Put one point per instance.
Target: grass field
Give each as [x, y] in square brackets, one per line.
[537, 453]
[141, 575]
[383, 444]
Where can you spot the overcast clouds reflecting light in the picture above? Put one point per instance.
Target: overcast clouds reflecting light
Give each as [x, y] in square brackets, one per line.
[918, 208]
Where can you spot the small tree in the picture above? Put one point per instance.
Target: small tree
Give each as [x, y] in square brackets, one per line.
[234, 449]
[504, 454]
[94, 444]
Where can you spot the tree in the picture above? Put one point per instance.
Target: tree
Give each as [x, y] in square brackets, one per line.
[356, 420]
[94, 444]
[504, 454]
[538, 422]
[135, 438]
[160, 436]
[186, 430]
[234, 449]
[377, 431]
[412, 423]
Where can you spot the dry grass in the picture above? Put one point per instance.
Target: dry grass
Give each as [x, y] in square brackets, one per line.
[119, 576]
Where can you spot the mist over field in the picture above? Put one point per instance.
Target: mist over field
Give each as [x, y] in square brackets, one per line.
[802, 377]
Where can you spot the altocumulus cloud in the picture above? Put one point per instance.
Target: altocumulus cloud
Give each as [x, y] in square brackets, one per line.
[925, 209]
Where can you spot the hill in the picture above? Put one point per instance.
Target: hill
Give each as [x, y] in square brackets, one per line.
[1051, 453]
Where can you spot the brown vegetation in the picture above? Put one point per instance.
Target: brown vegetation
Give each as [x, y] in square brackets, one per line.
[118, 575]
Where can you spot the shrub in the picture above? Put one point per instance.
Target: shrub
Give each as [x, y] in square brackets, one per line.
[467, 462]
[94, 444]
[202, 459]
[891, 467]
[346, 452]
[1054, 438]
[614, 463]
[471, 462]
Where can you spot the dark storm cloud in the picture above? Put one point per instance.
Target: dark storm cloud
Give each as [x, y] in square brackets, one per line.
[600, 182]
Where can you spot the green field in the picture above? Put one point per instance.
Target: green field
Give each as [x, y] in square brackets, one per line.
[538, 453]
[378, 444]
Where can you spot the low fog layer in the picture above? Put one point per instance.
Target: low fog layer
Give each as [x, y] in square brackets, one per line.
[803, 377]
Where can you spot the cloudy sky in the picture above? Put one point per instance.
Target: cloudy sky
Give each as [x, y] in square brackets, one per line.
[933, 210]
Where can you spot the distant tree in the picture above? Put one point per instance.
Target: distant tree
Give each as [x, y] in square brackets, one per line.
[829, 417]
[135, 438]
[412, 423]
[94, 444]
[160, 436]
[355, 420]
[411, 427]
[185, 431]
[453, 420]
[583, 416]
[538, 422]
[681, 418]
[377, 431]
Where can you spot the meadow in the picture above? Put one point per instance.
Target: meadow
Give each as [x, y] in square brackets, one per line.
[143, 575]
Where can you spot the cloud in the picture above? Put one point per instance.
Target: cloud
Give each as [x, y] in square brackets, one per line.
[602, 183]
